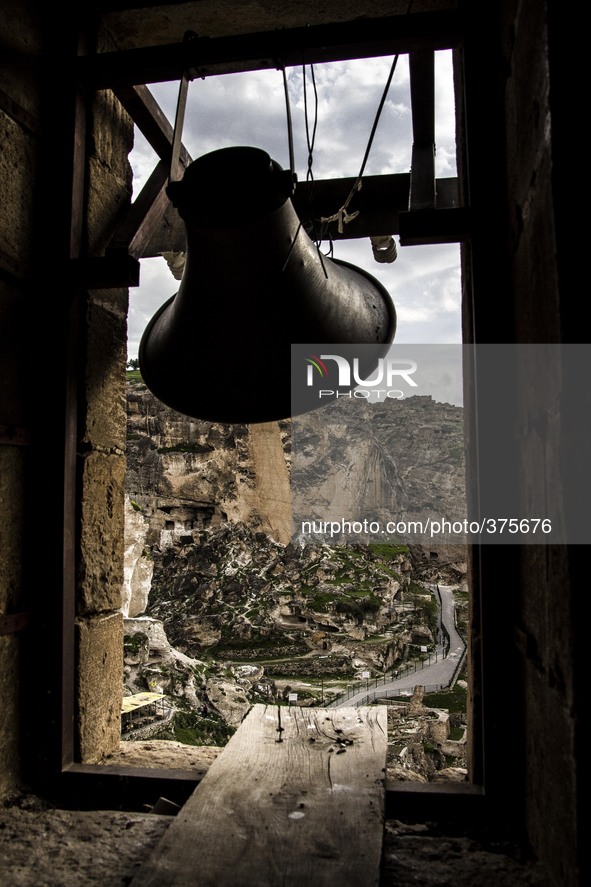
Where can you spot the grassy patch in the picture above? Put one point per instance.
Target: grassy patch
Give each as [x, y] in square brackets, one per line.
[191, 729]
[452, 700]
[388, 550]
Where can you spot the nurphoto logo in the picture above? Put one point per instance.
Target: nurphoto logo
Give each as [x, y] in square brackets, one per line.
[386, 372]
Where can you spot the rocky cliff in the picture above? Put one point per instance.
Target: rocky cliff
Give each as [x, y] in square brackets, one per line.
[222, 607]
[399, 461]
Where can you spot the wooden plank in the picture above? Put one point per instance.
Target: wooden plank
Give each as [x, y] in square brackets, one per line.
[434, 226]
[337, 41]
[296, 798]
[151, 120]
[145, 215]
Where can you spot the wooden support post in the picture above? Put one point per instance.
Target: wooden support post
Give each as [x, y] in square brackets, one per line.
[296, 797]
[422, 88]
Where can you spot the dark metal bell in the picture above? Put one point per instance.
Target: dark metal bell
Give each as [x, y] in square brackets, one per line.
[252, 285]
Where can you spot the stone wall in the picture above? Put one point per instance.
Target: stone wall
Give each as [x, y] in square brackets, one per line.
[19, 106]
[101, 471]
[74, 361]
[543, 629]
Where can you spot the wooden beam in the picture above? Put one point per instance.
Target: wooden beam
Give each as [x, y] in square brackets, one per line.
[145, 214]
[114, 271]
[208, 56]
[381, 201]
[147, 211]
[435, 226]
[422, 93]
[446, 802]
[112, 787]
[151, 120]
[296, 797]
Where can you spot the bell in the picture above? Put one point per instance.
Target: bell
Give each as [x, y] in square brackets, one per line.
[253, 284]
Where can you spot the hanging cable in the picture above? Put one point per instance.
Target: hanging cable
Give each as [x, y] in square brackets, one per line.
[289, 123]
[342, 217]
[310, 140]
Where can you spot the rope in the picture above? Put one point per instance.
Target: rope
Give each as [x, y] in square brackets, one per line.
[342, 217]
[289, 123]
[310, 139]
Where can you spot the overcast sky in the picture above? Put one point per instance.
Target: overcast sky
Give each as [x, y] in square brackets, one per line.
[249, 109]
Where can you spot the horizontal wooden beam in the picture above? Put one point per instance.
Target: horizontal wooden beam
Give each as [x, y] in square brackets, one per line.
[441, 225]
[110, 787]
[380, 202]
[442, 802]
[113, 271]
[208, 56]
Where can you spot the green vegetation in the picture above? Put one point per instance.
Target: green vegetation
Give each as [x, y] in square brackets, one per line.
[274, 646]
[192, 729]
[388, 550]
[134, 643]
[360, 608]
[425, 604]
[453, 700]
[133, 376]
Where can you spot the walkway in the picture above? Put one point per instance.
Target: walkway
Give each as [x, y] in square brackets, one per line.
[435, 673]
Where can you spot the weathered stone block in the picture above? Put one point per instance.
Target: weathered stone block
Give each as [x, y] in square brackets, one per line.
[11, 523]
[100, 686]
[17, 177]
[108, 200]
[9, 722]
[112, 137]
[101, 545]
[22, 36]
[105, 418]
[12, 357]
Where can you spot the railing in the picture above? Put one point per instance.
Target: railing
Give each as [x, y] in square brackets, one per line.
[396, 674]
[396, 694]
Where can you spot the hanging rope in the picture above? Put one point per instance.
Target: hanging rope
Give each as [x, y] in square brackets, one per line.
[310, 140]
[342, 216]
[289, 123]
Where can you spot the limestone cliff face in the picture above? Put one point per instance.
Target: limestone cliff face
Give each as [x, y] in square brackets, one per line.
[394, 461]
[184, 475]
[214, 574]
